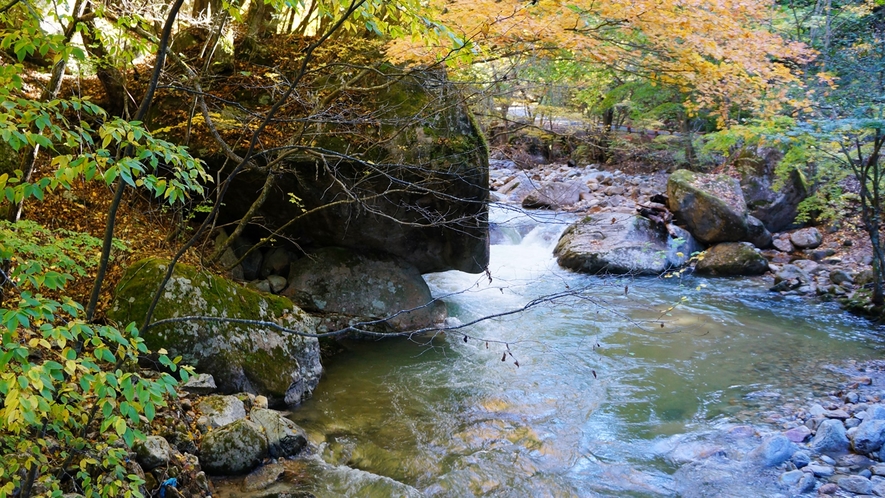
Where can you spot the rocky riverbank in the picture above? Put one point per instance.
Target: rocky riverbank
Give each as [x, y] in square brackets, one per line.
[827, 263]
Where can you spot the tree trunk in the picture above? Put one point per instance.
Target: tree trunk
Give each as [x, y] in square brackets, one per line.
[111, 78]
[691, 156]
[201, 9]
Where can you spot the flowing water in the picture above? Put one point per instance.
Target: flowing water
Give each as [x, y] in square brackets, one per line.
[574, 396]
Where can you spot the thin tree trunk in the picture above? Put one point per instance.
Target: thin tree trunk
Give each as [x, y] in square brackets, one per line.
[107, 242]
[691, 156]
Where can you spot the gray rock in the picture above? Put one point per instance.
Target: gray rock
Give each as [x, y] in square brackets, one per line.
[878, 469]
[875, 412]
[792, 477]
[260, 286]
[798, 434]
[201, 383]
[276, 283]
[622, 243]
[791, 277]
[556, 195]
[229, 258]
[284, 437]
[828, 489]
[773, 451]
[422, 201]
[806, 238]
[855, 484]
[275, 262]
[284, 367]
[757, 234]
[221, 410]
[869, 436]
[837, 414]
[777, 208]
[805, 484]
[251, 265]
[731, 259]
[842, 277]
[152, 452]
[340, 280]
[878, 489]
[711, 206]
[820, 470]
[233, 450]
[830, 437]
[816, 409]
[800, 459]
[808, 266]
[782, 244]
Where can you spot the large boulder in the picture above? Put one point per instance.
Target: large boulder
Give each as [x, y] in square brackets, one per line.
[241, 357]
[732, 259]
[623, 243]
[405, 172]
[773, 201]
[711, 206]
[340, 280]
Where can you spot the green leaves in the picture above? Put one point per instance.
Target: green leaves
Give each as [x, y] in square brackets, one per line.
[54, 368]
[118, 149]
[49, 387]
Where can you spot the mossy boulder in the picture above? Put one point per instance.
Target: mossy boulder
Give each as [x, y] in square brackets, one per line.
[340, 280]
[621, 243]
[284, 367]
[732, 259]
[234, 449]
[712, 207]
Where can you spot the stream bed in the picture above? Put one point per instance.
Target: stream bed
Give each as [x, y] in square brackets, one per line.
[589, 394]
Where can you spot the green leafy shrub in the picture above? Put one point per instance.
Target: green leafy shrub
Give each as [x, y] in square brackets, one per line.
[72, 397]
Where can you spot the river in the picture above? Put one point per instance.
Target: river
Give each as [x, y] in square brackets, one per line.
[583, 395]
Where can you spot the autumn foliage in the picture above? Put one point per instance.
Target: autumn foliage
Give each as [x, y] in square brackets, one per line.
[719, 53]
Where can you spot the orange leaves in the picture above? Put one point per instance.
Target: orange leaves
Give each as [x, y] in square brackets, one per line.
[720, 50]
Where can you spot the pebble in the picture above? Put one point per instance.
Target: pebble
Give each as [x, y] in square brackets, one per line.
[801, 459]
[837, 414]
[805, 484]
[820, 470]
[798, 434]
[792, 477]
[828, 489]
[856, 484]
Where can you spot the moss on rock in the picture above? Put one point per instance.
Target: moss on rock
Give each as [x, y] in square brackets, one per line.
[284, 367]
